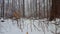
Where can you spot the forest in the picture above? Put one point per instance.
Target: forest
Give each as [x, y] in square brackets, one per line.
[29, 17]
[26, 8]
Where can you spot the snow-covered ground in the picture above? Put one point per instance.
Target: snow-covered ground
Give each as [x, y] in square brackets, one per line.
[28, 25]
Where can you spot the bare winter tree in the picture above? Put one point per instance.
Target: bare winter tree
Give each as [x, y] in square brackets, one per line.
[28, 8]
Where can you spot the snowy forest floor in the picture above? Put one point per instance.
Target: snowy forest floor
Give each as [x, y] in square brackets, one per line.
[40, 26]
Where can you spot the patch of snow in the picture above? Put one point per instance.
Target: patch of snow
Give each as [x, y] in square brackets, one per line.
[10, 27]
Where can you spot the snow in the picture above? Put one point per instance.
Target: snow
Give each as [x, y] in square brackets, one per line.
[11, 27]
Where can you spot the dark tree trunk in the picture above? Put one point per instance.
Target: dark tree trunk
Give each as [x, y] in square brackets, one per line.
[55, 11]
